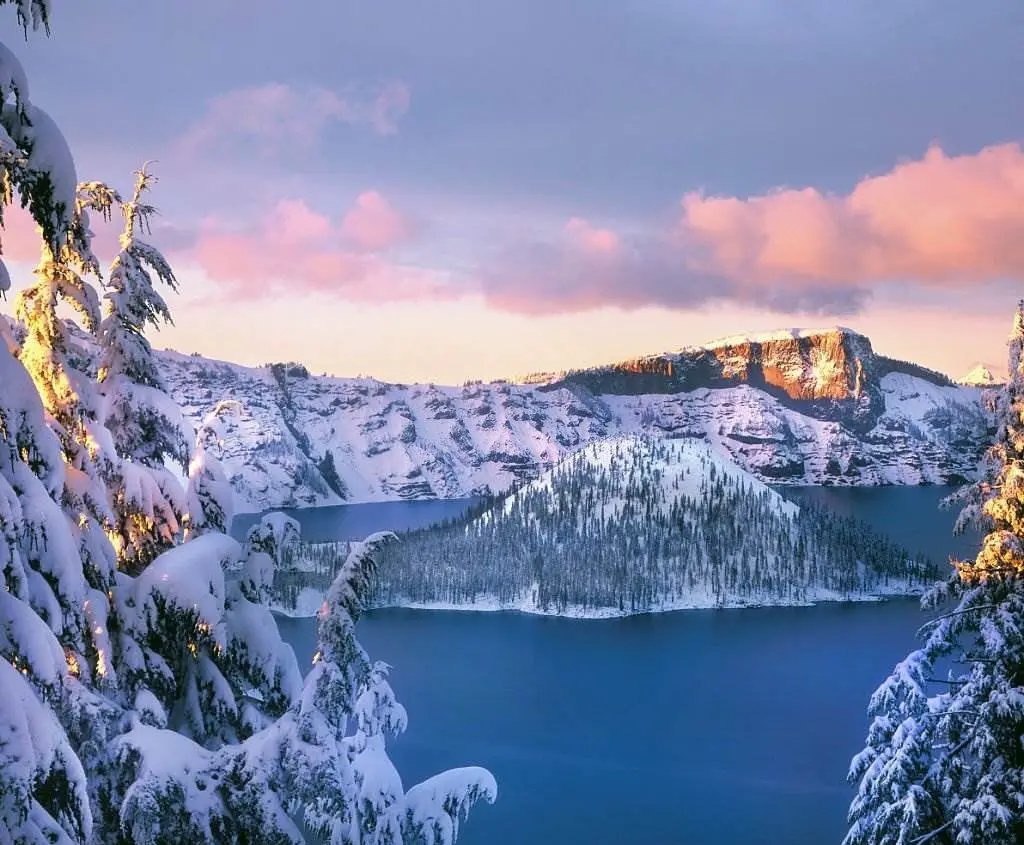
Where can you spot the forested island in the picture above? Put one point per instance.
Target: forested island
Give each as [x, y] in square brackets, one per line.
[626, 525]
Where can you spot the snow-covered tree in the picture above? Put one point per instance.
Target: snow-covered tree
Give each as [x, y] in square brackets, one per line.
[210, 500]
[43, 790]
[317, 772]
[145, 425]
[68, 394]
[158, 705]
[944, 761]
[32, 13]
[36, 163]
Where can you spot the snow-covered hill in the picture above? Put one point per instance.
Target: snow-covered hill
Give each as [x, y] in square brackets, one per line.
[626, 525]
[798, 407]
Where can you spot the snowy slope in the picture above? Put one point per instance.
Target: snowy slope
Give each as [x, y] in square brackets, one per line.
[627, 525]
[309, 440]
[680, 465]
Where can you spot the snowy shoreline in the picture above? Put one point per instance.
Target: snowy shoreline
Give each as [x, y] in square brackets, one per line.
[309, 602]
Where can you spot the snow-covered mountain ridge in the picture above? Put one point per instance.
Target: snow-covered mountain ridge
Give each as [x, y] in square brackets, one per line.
[796, 407]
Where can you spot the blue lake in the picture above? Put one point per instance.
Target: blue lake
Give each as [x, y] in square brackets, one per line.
[723, 726]
[353, 522]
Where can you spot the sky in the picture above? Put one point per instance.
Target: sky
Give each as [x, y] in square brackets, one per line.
[437, 192]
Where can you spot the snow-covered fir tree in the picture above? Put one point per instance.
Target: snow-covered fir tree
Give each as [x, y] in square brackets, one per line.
[147, 428]
[944, 761]
[210, 500]
[156, 703]
[43, 788]
[67, 393]
[317, 772]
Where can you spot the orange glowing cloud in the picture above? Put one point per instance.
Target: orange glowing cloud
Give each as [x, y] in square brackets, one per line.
[588, 267]
[952, 221]
[940, 220]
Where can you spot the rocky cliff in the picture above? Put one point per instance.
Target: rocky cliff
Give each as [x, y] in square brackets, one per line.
[829, 374]
[803, 407]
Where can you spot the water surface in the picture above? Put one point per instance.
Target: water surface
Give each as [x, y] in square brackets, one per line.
[731, 727]
[726, 726]
[353, 522]
[909, 515]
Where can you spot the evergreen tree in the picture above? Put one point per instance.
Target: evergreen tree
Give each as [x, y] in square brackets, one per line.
[67, 393]
[157, 707]
[210, 505]
[944, 761]
[146, 427]
[318, 771]
[43, 788]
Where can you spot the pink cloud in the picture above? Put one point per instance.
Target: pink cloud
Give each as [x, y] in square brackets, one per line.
[939, 220]
[296, 249]
[955, 222]
[279, 116]
[373, 224]
[591, 238]
[20, 238]
[22, 241]
[588, 266]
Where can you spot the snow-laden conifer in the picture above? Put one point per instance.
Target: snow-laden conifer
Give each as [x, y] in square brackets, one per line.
[318, 771]
[158, 705]
[944, 761]
[32, 14]
[68, 394]
[146, 428]
[43, 789]
[329, 748]
[210, 500]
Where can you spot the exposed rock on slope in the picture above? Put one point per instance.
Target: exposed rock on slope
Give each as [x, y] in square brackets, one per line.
[829, 374]
[812, 407]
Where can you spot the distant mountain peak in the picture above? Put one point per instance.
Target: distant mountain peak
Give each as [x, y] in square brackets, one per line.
[981, 375]
[816, 407]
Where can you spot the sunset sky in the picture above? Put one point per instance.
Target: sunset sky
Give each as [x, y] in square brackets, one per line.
[436, 192]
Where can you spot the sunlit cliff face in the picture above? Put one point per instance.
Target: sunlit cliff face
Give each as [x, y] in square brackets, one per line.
[824, 365]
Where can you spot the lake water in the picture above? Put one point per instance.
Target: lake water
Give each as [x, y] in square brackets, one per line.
[723, 726]
[910, 515]
[353, 522]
